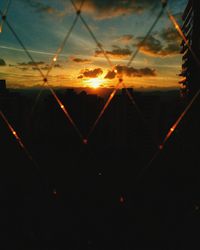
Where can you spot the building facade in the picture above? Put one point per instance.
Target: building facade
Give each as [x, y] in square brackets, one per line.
[191, 28]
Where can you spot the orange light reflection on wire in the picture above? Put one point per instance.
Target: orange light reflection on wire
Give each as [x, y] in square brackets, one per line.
[65, 111]
[18, 139]
[173, 128]
[176, 25]
[105, 106]
[178, 28]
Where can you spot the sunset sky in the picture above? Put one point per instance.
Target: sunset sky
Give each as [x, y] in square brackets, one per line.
[119, 26]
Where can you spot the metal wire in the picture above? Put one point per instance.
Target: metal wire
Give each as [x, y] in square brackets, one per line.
[188, 107]
[45, 80]
[139, 46]
[112, 67]
[120, 82]
[147, 35]
[60, 49]
[92, 34]
[179, 30]
[5, 15]
[23, 46]
[54, 59]
[128, 65]
[105, 107]
[131, 98]
[18, 139]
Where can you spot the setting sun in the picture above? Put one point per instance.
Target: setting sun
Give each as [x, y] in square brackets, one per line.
[95, 82]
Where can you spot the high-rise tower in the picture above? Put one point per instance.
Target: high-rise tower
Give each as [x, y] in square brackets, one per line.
[191, 29]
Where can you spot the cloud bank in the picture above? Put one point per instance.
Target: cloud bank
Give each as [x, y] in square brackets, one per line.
[130, 72]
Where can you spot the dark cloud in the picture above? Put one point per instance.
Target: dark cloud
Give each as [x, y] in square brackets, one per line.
[57, 65]
[39, 6]
[126, 39]
[170, 35]
[110, 75]
[91, 73]
[80, 77]
[47, 9]
[42, 7]
[152, 46]
[2, 62]
[104, 9]
[46, 67]
[34, 68]
[117, 52]
[31, 63]
[80, 60]
[23, 68]
[164, 43]
[42, 68]
[130, 72]
[172, 49]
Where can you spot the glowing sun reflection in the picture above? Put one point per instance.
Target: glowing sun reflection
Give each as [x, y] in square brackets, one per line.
[94, 82]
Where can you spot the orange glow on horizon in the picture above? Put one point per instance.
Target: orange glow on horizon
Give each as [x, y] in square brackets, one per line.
[95, 82]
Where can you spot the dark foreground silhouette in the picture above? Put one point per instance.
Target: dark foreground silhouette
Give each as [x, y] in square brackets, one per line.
[90, 196]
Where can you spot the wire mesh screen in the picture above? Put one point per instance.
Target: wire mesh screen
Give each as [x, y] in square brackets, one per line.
[74, 71]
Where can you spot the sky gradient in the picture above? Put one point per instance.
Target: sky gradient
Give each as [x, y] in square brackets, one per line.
[119, 26]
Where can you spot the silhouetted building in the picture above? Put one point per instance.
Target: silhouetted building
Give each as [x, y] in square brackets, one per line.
[191, 30]
[3, 89]
[15, 106]
[129, 127]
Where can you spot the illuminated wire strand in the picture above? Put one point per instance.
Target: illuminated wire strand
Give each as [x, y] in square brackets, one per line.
[78, 11]
[104, 108]
[129, 63]
[57, 54]
[23, 46]
[54, 59]
[5, 15]
[23, 147]
[169, 134]
[103, 51]
[44, 78]
[179, 30]
[65, 111]
[147, 35]
[186, 110]
[133, 102]
[164, 4]
[131, 98]
[99, 45]
[110, 64]
[112, 67]
[139, 46]
[18, 139]
[60, 49]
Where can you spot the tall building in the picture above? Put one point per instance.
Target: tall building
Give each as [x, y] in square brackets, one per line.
[3, 86]
[191, 29]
